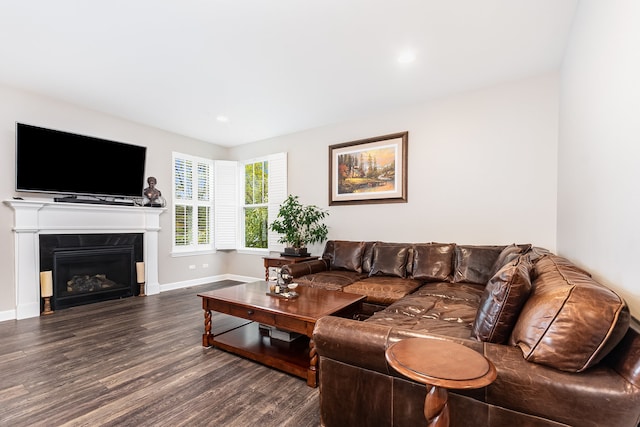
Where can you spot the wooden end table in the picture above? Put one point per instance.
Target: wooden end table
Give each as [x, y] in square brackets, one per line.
[281, 260]
[250, 301]
[441, 365]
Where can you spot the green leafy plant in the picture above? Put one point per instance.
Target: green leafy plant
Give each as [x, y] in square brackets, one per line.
[298, 224]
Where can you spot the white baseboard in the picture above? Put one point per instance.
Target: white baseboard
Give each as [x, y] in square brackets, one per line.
[204, 280]
[7, 315]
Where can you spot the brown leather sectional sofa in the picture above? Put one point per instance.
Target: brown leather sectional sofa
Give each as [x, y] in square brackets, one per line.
[566, 350]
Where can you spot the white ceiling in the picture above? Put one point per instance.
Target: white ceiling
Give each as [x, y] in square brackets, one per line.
[272, 67]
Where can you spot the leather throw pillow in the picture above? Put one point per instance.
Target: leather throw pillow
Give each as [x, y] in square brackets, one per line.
[389, 260]
[347, 255]
[433, 262]
[502, 300]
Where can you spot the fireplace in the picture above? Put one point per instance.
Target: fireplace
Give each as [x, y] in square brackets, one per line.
[89, 268]
[35, 218]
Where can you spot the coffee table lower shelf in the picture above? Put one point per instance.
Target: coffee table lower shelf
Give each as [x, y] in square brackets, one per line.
[248, 341]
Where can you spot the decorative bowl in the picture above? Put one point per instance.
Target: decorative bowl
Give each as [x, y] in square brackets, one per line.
[292, 286]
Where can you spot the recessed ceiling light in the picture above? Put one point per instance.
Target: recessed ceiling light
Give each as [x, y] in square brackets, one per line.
[406, 57]
[223, 119]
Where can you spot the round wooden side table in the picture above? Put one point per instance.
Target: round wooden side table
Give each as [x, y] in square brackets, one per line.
[440, 365]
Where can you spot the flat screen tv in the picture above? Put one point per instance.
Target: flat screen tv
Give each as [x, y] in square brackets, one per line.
[52, 161]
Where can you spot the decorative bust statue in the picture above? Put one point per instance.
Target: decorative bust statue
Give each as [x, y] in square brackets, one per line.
[153, 196]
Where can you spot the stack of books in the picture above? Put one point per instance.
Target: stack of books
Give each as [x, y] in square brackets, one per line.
[279, 334]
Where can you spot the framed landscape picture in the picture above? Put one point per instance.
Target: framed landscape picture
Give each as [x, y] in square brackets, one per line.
[372, 170]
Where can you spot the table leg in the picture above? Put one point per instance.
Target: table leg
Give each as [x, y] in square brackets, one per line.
[312, 372]
[266, 270]
[206, 337]
[436, 408]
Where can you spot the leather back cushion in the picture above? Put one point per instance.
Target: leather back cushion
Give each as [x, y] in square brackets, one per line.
[328, 252]
[433, 262]
[474, 264]
[389, 260]
[367, 257]
[508, 255]
[554, 262]
[347, 255]
[502, 300]
[570, 322]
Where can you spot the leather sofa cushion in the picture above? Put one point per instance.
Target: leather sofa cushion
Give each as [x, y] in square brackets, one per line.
[449, 302]
[570, 322]
[474, 264]
[347, 255]
[333, 280]
[389, 260]
[502, 299]
[383, 289]
[433, 262]
[420, 324]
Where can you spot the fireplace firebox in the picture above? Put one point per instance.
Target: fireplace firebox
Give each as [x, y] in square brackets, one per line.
[89, 268]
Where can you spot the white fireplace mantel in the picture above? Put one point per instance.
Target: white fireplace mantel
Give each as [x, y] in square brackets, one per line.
[35, 216]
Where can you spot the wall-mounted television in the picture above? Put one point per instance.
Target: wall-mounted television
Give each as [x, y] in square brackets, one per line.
[52, 161]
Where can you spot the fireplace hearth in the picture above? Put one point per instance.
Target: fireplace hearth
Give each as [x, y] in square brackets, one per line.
[89, 268]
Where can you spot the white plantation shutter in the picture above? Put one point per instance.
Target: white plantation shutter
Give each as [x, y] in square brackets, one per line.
[205, 192]
[209, 198]
[182, 194]
[192, 203]
[226, 204]
[183, 178]
[277, 194]
[183, 217]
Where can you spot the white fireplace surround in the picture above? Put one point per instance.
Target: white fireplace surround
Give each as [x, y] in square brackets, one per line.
[35, 216]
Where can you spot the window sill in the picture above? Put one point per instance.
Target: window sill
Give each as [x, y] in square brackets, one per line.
[192, 253]
[248, 251]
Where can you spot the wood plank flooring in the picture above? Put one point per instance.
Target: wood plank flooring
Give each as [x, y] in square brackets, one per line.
[140, 362]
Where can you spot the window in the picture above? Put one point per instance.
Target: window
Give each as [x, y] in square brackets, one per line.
[226, 204]
[192, 203]
[255, 209]
[264, 188]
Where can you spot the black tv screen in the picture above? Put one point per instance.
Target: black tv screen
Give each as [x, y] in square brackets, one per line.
[52, 161]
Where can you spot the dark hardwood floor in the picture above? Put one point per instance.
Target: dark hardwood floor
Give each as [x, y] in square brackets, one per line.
[139, 362]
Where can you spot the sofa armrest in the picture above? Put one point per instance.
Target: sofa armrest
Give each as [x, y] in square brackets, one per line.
[303, 268]
[364, 344]
[353, 342]
[625, 357]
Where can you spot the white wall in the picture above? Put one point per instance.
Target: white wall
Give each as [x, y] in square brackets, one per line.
[599, 145]
[20, 106]
[482, 170]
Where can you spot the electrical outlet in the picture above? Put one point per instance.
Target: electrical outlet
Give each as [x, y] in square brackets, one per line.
[205, 265]
[192, 267]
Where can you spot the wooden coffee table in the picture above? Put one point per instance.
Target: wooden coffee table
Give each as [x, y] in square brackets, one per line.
[250, 301]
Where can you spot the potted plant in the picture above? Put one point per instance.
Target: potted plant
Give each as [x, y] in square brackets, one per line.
[299, 226]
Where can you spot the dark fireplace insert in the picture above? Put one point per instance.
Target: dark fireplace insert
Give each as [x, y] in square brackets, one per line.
[89, 268]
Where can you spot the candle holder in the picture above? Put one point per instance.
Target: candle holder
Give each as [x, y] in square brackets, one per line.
[141, 294]
[140, 277]
[47, 306]
[46, 290]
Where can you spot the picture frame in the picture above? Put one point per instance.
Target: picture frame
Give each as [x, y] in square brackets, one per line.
[372, 170]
